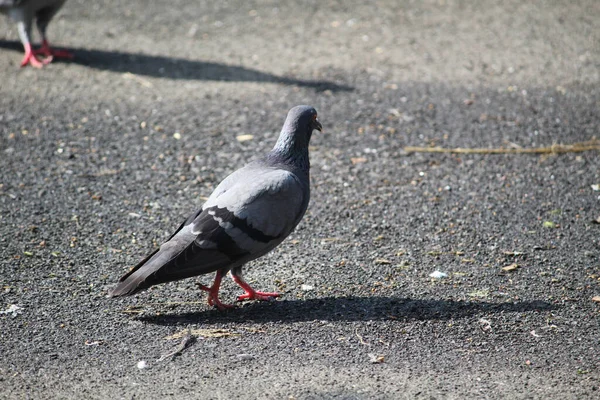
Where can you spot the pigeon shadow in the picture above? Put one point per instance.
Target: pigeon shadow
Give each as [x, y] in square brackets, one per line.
[347, 309]
[178, 68]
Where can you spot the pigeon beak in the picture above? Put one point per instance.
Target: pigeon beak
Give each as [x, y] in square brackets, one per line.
[315, 124]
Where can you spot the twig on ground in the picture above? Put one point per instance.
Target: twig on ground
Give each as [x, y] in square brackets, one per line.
[186, 342]
[360, 338]
[589, 145]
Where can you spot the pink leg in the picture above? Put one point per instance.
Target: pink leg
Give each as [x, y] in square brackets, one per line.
[252, 294]
[213, 293]
[31, 59]
[47, 51]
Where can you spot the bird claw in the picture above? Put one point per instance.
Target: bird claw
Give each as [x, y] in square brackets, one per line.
[31, 55]
[62, 54]
[261, 296]
[49, 52]
[213, 298]
[32, 60]
[215, 302]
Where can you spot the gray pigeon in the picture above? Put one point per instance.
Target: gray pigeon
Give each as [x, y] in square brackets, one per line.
[247, 215]
[23, 12]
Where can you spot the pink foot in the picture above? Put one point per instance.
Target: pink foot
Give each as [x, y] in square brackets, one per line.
[213, 293]
[215, 302]
[251, 294]
[49, 52]
[254, 295]
[32, 60]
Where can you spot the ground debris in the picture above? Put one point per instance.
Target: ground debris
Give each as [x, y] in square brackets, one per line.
[187, 341]
[142, 364]
[13, 309]
[382, 261]
[438, 275]
[206, 333]
[360, 338]
[244, 138]
[513, 253]
[510, 267]
[245, 357]
[588, 145]
[485, 325]
[133, 77]
[376, 359]
[481, 293]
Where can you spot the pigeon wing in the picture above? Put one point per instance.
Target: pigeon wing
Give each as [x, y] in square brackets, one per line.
[251, 212]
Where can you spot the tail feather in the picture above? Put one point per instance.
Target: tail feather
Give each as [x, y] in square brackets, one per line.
[166, 265]
[139, 278]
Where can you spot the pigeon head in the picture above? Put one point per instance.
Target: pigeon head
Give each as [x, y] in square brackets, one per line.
[296, 132]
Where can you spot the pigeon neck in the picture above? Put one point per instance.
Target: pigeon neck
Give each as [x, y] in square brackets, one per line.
[290, 150]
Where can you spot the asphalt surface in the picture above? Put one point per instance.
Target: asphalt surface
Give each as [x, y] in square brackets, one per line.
[101, 158]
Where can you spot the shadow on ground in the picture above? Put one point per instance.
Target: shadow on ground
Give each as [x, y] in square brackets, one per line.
[348, 309]
[178, 68]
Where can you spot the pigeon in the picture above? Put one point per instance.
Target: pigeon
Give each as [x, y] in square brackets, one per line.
[23, 12]
[249, 213]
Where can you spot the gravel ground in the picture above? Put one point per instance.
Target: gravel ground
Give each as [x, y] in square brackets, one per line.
[102, 158]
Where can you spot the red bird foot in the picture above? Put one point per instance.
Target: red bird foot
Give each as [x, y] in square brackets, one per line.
[213, 297]
[32, 60]
[251, 294]
[214, 301]
[254, 295]
[213, 293]
[49, 52]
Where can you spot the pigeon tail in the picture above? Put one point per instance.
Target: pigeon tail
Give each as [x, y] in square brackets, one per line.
[165, 265]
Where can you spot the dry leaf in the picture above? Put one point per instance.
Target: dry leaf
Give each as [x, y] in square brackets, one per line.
[482, 293]
[376, 359]
[255, 330]
[510, 267]
[244, 138]
[212, 333]
[358, 160]
[513, 253]
[485, 325]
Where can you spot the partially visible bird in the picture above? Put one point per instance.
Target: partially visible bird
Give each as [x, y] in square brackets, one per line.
[249, 213]
[23, 12]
